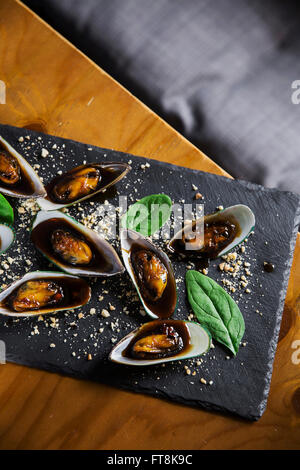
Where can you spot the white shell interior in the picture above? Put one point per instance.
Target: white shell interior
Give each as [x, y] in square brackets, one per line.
[246, 219]
[243, 215]
[7, 236]
[200, 341]
[127, 236]
[39, 190]
[48, 205]
[29, 276]
[76, 271]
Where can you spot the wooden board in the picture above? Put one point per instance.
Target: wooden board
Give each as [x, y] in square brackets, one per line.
[52, 87]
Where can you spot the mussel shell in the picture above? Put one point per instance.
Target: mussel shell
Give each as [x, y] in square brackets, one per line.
[28, 185]
[7, 237]
[166, 305]
[105, 261]
[199, 343]
[76, 293]
[110, 173]
[239, 214]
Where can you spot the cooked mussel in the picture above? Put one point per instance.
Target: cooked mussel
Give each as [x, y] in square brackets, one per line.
[73, 247]
[70, 248]
[77, 185]
[9, 168]
[17, 177]
[81, 183]
[38, 293]
[216, 234]
[151, 273]
[161, 341]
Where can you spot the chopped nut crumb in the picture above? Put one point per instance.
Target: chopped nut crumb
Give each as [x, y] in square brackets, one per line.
[105, 313]
[44, 153]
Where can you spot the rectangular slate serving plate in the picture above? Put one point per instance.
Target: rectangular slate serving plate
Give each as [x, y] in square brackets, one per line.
[239, 385]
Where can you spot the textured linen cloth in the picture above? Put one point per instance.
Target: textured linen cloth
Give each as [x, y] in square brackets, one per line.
[219, 71]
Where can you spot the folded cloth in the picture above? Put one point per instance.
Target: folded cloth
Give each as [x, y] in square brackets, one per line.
[220, 72]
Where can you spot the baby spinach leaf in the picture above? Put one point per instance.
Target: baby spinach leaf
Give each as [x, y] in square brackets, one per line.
[148, 215]
[6, 211]
[215, 309]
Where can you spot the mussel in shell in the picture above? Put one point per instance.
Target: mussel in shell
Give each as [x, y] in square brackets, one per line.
[165, 341]
[36, 294]
[73, 247]
[221, 232]
[70, 248]
[82, 182]
[9, 169]
[216, 236]
[151, 274]
[42, 292]
[161, 341]
[77, 185]
[17, 177]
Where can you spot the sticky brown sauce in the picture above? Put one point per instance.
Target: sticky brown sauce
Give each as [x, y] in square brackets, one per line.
[218, 234]
[75, 293]
[24, 184]
[269, 267]
[41, 237]
[174, 330]
[165, 306]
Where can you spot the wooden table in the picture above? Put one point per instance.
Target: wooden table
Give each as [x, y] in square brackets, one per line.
[52, 87]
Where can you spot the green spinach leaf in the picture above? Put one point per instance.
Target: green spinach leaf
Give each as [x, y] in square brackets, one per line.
[148, 215]
[215, 309]
[6, 211]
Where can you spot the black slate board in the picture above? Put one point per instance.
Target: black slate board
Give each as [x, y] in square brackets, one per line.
[239, 385]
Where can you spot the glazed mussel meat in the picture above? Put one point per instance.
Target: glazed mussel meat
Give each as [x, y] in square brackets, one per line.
[151, 274]
[77, 185]
[215, 234]
[17, 177]
[36, 294]
[70, 247]
[82, 182]
[9, 169]
[164, 341]
[161, 341]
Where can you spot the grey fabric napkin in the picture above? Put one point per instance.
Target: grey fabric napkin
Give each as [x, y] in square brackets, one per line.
[220, 72]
